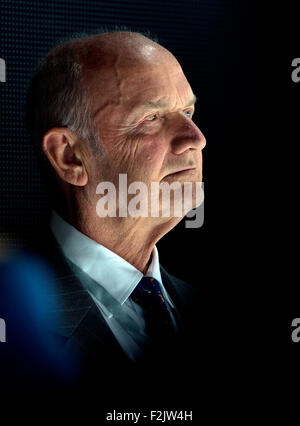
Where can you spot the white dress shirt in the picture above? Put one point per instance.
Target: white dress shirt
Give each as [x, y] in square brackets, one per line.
[118, 277]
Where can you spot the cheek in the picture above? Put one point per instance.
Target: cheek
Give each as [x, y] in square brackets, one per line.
[151, 157]
[139, 155]
[142, 151]
[152, 149]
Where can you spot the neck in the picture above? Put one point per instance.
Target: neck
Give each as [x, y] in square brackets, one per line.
[133, 239]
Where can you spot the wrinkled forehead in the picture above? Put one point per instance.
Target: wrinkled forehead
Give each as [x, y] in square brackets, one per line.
[131, 83]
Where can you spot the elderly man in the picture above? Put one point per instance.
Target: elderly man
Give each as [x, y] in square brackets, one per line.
[100, 107]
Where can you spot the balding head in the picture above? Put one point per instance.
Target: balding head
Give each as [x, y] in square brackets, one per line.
[106, 48]
[58, 94]
[108, 59]
[114, 62]
[61, 90]
[120, 95]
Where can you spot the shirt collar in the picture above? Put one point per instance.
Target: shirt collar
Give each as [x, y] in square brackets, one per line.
[101, 264]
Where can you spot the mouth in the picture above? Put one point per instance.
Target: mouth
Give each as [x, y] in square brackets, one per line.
[183, 171]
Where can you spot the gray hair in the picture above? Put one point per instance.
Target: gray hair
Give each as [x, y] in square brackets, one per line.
[57, 96]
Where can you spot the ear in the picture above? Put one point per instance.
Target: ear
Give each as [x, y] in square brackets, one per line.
[61, 146]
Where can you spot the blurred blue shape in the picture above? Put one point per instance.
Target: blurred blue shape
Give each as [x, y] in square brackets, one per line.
[31, 309]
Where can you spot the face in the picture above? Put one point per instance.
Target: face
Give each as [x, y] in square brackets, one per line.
[143, 110]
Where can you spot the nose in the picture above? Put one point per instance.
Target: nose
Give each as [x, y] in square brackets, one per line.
[187, 135]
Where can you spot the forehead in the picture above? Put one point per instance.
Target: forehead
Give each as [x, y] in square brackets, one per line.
[154, 83]
[131, 86]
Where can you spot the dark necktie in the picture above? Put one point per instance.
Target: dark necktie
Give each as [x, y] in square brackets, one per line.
[148, 294]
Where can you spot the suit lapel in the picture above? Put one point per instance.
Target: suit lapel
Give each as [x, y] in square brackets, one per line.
[82, 326]
[183, 295]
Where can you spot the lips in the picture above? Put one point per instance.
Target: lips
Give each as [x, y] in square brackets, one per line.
[181, 171]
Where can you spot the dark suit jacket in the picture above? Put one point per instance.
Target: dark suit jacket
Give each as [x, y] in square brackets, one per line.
[84, 332]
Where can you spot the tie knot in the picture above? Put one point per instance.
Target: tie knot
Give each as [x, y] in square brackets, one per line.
[148, 294]
[148, 291]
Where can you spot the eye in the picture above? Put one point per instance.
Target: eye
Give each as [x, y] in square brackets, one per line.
[188, 113]
[152, 117]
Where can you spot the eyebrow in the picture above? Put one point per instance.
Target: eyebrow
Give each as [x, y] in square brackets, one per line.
[157, 105]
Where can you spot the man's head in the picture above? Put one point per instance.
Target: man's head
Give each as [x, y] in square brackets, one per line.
[115, 103]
